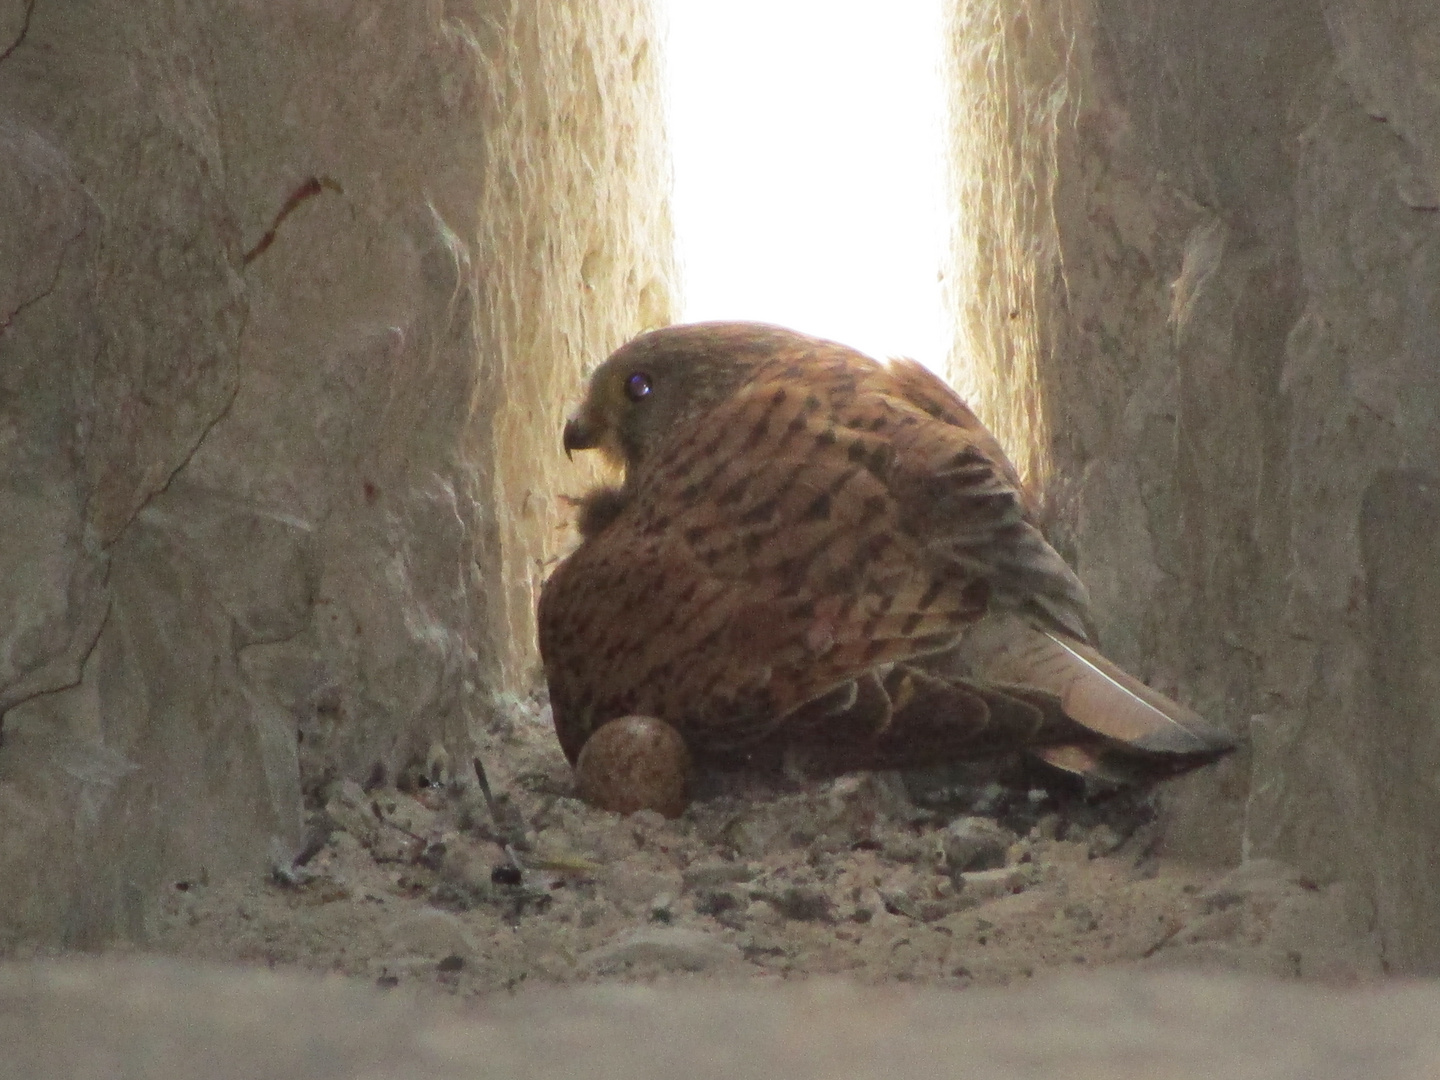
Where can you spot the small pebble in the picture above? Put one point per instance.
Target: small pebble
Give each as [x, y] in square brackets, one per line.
[762, 912]
[1103, 841]
[711, 874]
[662, 908]
[430, 932]
[632, 764]
[630, 885]
[1047, 828]
[803, 905]
[666, 948]
[716, 902]
[976, 843]
[990, 884]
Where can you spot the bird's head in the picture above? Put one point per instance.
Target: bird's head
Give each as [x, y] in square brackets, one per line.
[650, 388]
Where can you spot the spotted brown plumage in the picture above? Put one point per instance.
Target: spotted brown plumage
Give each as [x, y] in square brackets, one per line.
[816, 551]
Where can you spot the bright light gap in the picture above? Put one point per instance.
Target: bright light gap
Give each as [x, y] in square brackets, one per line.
[806, 138]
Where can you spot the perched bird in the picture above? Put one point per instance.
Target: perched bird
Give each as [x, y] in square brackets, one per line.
[813, 552]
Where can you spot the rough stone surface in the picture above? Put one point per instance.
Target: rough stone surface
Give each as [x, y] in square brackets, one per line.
[430, 890]
[165, 1020]
[293, 299]
[1205, 302]
[276, 288]
[663, 949]
[975, 843]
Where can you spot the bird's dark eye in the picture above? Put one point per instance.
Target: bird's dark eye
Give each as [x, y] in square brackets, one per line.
[637, 386]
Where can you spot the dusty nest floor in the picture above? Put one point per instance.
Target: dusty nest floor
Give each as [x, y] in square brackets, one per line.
[876, 877]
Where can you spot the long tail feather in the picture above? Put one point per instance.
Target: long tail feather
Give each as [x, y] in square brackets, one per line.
[1093, 692]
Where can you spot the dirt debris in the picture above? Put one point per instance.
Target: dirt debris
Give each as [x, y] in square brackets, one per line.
[873, 876]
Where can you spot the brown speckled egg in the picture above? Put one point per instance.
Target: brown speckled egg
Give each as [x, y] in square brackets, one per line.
[634, 763]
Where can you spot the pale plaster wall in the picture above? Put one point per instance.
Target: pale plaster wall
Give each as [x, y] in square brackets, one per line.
[274, 508]
[1226, 353]
[266, 509]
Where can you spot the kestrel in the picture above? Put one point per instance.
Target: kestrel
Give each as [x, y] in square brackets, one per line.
[816, 552]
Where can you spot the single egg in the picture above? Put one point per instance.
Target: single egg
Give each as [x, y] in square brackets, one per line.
[634, 763]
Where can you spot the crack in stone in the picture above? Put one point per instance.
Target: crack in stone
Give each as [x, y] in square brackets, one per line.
[306, 191]
[20, 37]
[10, 317]
[83, 658]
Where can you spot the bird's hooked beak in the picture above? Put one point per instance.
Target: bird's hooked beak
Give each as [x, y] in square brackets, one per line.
[578, 436]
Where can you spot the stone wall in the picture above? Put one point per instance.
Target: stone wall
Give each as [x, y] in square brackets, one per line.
[276, 282]
[293, 297]
[1222, 318]
[81, 1017]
